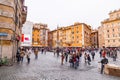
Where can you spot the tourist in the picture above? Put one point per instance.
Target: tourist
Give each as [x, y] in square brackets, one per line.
[28, 53]
[103, 62]
[36, 53]
[88, 59]
[93, 55]
[62, 58]
[22, 54]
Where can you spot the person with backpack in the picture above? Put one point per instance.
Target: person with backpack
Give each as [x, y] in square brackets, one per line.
[103, 62]
[22, 54]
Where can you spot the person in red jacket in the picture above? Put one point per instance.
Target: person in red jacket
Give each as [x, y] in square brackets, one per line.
[104, 53]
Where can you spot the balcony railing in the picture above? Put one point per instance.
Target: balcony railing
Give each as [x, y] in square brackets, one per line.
[24, 13]
[7, 25]
[7, 2]
[7, 14]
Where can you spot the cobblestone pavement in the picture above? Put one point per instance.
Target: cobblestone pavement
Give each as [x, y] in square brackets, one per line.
[48, 67]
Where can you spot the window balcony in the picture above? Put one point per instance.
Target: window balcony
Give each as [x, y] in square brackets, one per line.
[24, 14]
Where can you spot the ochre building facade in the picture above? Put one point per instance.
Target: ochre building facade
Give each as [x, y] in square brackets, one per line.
[12, 17]
[40, 35]
[77, 35]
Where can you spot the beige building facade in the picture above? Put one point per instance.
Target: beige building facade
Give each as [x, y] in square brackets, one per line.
[111, 30]
[101, 37]
[12, 17]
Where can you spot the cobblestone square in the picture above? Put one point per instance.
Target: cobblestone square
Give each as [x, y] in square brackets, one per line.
[48, 67]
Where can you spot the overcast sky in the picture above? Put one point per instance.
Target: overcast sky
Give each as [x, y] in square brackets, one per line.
[66, 12]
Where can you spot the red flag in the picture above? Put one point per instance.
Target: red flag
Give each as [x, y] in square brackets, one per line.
[22, 38]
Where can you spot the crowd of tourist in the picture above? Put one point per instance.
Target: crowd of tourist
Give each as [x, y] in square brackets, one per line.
[71, 55]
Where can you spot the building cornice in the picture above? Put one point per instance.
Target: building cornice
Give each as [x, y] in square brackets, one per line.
[108, 20]
[114, 11]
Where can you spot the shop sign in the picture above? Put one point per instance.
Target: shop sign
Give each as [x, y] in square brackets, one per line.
[3, 34]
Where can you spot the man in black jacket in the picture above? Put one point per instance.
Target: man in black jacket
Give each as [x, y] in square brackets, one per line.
[103, 62]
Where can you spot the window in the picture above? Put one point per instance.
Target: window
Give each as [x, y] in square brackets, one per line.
[113, 35]
[108, 41]
[112, 25]
[113, 40]
[73, 37]
[77, 31]
[119, 34]
[94, 39]
[38, 40]
[72, 32]
[107, 30]
[117, 15]
[77, 41]
[108, 36]
[77, 36]
[119, 40]
[113, 30]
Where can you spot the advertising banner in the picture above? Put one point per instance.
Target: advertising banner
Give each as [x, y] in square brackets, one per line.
[26, 40]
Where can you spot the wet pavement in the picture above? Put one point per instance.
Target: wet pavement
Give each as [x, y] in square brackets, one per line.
[48, 67]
